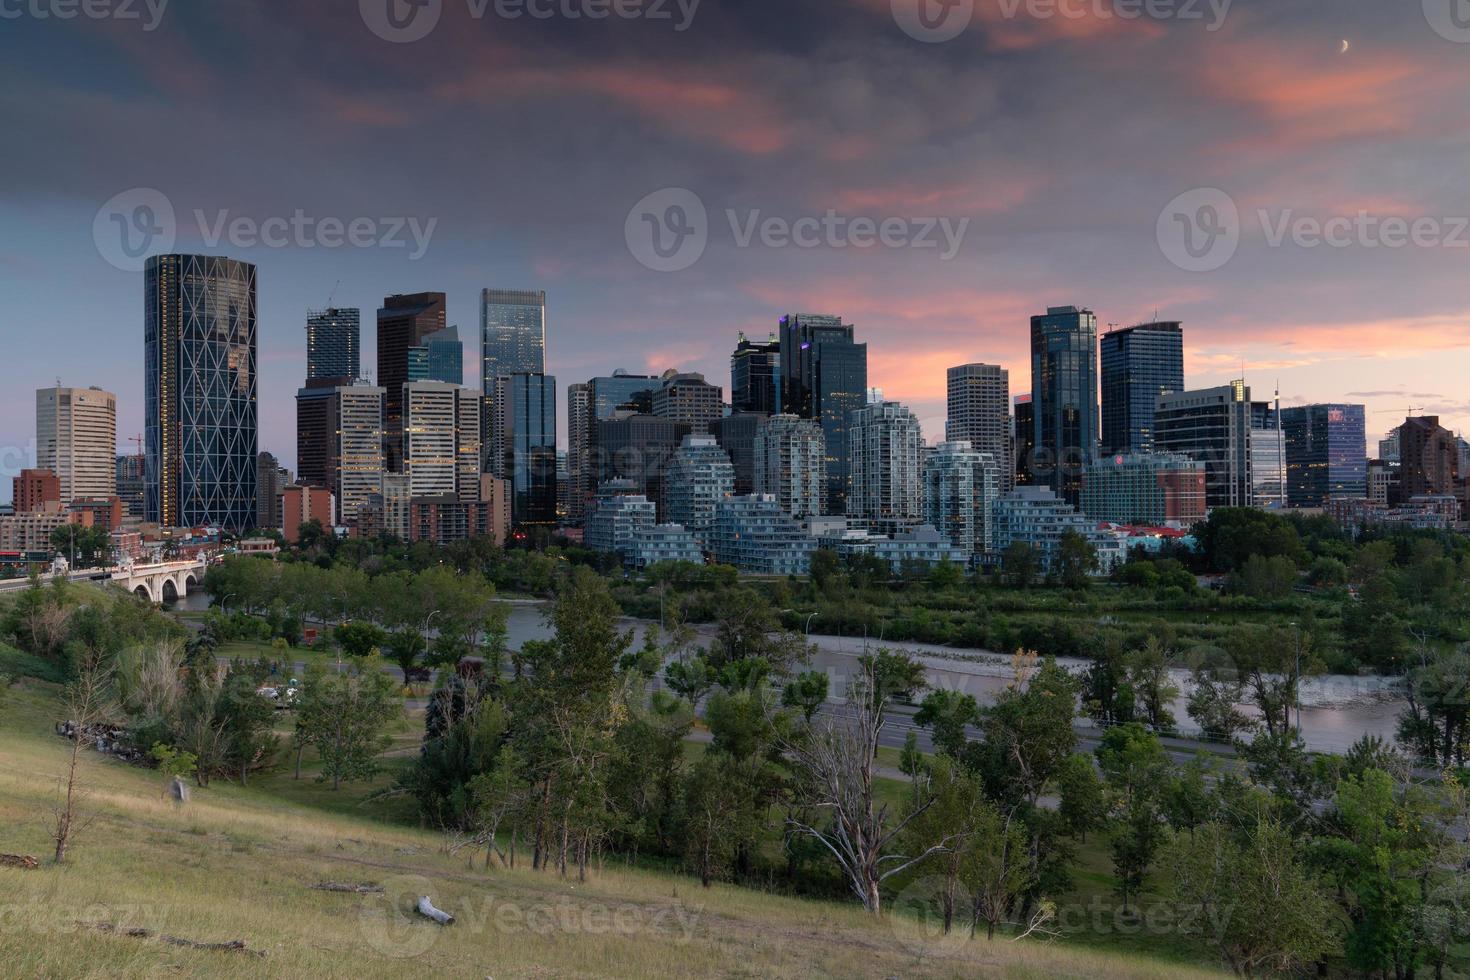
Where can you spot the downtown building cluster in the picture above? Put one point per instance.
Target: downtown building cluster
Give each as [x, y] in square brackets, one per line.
[1109, 443]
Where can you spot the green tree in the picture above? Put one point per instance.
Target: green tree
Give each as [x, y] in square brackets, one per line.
[84, 547]
[1021, 564]
[360, 639]
[345, 716]
[1083, 802]
[1135, 767]
[1076, 560]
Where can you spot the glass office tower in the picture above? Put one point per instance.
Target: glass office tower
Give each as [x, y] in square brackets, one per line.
[333, 344]
[528, 424]
[824, 376]
[1326, 453]
[1064, 397]
[403, 323]
[1138, 365]
[200, 390]
[755, 376]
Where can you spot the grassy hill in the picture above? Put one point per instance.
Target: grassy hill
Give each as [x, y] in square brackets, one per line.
[237, 864]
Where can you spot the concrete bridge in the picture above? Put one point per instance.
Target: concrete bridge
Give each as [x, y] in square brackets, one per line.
[160, 583]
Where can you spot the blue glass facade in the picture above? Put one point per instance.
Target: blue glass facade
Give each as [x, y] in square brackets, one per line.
[1064, 398]
[200, 387]
[438, 357]
[824, 376]
[1326, 453]
[1138, 365]
[333, 344]
[530, 447]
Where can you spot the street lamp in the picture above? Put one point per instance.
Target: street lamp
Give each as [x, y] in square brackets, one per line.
[224, 604]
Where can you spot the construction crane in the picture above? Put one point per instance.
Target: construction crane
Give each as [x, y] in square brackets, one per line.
[1407, 413]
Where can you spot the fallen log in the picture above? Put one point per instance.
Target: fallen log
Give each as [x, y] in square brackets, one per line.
[339, 886]
[19, 861]
[233, 946]
[426, 909]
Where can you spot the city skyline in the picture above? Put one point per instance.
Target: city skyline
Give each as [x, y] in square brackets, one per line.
[1313, 131]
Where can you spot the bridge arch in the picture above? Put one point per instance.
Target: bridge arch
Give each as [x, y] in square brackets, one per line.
[169, 591]
[143, 591]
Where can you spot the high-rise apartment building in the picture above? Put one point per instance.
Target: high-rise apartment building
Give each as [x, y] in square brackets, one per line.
[1326, 453]
[403, 323]
[1429, 458]
[578, 489]
[980, 414]
[441, 440]
[35, 490]
[132, 484]
[269, 483]
[824, 376]
[700, 475]
[1138, 364]
[791, 464]
[76, 438]
[886, 493]
[961, 486]
[200, 391]
[333, 346]
[1064, 396]
[339, 442]
[1212, 426]
[755, 376]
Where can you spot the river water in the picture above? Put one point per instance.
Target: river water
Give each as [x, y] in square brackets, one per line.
[1336, 711]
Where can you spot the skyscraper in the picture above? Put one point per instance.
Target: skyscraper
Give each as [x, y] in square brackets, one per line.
[1138, 365]
[512, 332]
[824, 376]
[269, 483]
[755, 376]
[1268, 455]
[791, 464]
[333, 345]
[403, 323]
[689, 398]
[441, 440]
[1326, 453]
[200, 390]
[603, 397]
[961, 486]
[1213, 426]
[579, 445]
[339, 442]
[76, 438]
[886, 493]
[1064, 393]
[1023, 438]
[979, 413]
[527, 410]
[700, 476]
[1429, 458]
[439, 356]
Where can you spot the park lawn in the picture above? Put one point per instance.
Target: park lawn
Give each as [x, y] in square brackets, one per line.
[237, 862]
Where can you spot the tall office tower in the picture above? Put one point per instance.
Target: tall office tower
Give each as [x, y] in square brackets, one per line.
[1138, 365]
[440, 422]
[76, 438]
[700, 475]
[736, 434]
[1326, 453]
[1213, 426]
[333, 345]
[755, 376]
[526, 407]
[824, 376]
[200, 390]
[1023, 436]
[403, 323]
[1064, 392]
[578, 489]
[438, 357]
[339, 442]
[512, 341]
[689, 398]
[961, 485]
[132, 485]
[1268, 456]
[979, 413]
[1429, 458]
[637, 448]
[886, 491]
[268, 487]
[604, 397]
[791, 464]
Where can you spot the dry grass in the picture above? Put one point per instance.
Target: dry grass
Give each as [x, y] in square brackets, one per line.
[236, 864]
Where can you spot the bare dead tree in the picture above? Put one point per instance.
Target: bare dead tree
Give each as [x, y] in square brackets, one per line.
[833, 761]
[86, 702]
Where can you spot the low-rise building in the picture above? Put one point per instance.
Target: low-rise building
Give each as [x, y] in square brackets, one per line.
[1160, 489]
[615, 515]
[699, 476]
[653, 543]
[754, 534]
[1037, 517]
[302, 505]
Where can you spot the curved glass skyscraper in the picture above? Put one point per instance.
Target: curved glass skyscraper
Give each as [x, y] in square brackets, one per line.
[200, 386]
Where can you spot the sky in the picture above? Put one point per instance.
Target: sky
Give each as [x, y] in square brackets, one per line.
[1286, 177]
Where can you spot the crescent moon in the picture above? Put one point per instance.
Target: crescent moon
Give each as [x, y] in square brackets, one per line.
[1346, 44]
